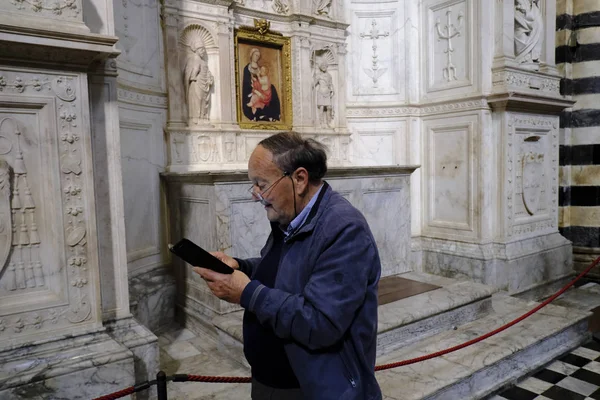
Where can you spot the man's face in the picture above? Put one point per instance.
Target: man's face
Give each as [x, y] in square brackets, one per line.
[270, 182]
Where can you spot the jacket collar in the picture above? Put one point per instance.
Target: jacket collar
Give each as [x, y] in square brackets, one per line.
[314, 214]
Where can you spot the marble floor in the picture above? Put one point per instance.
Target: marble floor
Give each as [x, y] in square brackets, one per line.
[575, 376]
[181, 351]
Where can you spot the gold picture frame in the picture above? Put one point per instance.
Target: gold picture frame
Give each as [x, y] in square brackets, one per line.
[263, 78]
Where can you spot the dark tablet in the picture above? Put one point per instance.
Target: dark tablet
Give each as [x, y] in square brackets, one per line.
[196, 256]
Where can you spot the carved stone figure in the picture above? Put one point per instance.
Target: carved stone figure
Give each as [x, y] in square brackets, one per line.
[280, 7]
[529, 27]
[324, 87]
[198, 81]
[322, 7]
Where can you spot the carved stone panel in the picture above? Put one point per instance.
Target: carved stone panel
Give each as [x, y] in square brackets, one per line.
[218, 150]
[449, 47]
[531, 174]
[450, 174]
[48, 261]
[374, 54]
[137, 25]
[65, 10]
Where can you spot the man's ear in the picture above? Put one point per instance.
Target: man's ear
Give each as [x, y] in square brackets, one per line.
[300, 177]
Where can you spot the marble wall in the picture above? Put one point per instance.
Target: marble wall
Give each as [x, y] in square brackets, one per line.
[142, 113]
[217, 137]
[469, 96]
[61, 275]
[215, 211]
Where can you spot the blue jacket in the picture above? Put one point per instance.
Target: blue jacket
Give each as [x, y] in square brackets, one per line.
[325, 301]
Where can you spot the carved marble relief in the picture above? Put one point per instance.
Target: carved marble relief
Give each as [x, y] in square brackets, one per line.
[281, 7]
[532, 180]
[322, 7]
[34, 208]
[67, 9]
[23, 265]
[529, 32]
[530, 193]
[75, 233]
[219, 148]
[449, 31]
[450, 49]
[375, 71]
[197, 78]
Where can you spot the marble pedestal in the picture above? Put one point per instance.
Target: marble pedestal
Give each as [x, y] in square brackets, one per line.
[490, 188]
[516, 266]
[71, 367]
[215, 211]
[143, 344]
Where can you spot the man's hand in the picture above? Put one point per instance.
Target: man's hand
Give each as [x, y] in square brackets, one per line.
[228, 287]
[226, 259]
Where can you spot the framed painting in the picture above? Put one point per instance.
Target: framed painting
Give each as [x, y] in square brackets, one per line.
[263, 74]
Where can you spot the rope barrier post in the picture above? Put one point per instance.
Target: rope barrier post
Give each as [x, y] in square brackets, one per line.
[161, 385]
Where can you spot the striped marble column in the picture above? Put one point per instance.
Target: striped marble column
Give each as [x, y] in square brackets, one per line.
[578, 59]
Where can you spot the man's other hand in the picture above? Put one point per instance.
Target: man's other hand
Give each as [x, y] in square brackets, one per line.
[226, 259]
[228, 287]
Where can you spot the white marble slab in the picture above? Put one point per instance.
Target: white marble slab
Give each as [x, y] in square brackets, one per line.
[80, 367]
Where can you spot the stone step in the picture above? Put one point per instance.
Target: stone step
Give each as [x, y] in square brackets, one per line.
[417, 317]
[72, 367]
[586, 297]
[486, 367]
[402, 322]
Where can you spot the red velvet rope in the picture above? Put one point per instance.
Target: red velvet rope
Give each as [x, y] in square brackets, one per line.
[117, 395]
[219, 379]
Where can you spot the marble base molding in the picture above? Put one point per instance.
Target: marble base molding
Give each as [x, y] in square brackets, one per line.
[516, 266]
[152, 293]
[72, 367]
[144, 346]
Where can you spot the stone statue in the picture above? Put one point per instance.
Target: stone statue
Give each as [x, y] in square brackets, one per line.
[197, 81]
[322, 7]
[324, 87]
[529, 31]
[280, 7]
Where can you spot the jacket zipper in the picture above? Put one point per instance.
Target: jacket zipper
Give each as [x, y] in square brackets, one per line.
[348, 375]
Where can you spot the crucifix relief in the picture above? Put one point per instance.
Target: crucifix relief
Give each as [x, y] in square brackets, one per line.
[447, 33]
[375, 72]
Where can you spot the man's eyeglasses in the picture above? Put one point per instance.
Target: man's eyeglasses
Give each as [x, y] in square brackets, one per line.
[259, 195]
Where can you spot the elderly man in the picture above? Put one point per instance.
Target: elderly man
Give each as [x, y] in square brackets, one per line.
[310, 300]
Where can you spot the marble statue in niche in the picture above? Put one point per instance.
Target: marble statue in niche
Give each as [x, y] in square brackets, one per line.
[322, 7]
[324, 87]
[198, 82]
[529, 30]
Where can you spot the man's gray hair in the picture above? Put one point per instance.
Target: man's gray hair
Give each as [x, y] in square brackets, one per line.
[291, 151]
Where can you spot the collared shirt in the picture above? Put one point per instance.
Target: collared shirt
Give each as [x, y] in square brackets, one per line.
[301, 218]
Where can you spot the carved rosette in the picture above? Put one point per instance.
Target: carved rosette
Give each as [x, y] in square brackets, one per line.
[71, 159]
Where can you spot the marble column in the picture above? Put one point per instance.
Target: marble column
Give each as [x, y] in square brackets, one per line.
[116, 316]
